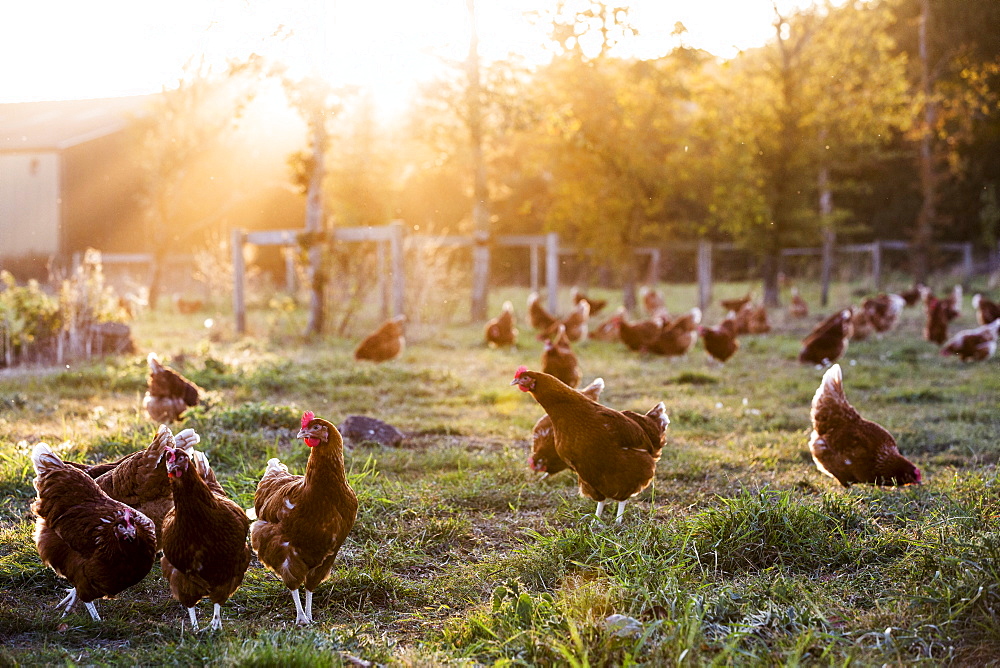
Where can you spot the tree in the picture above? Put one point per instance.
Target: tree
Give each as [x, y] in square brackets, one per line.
[825, 91]
[177, 138]
[954, 45]
[615, 133]
[318, 103]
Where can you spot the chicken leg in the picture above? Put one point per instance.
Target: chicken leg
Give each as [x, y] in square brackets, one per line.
[300, 613]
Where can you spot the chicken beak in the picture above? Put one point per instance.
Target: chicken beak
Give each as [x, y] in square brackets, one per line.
[302, 433]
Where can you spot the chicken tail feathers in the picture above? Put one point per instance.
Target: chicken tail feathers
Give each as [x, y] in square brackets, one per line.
[154, 363]
[659, 412]
[43, 459]
[274, 464]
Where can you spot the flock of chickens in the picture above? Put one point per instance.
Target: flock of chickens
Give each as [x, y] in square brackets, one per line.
[101, 526]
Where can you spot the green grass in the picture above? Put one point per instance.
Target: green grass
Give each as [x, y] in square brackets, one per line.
[740, 553]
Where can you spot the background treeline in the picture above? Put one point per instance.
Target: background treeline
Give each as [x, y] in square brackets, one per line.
[856, 121]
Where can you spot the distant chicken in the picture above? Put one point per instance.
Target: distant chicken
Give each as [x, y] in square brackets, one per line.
[385, 343]
[861, 324]
[652, 301]
[752, 319]
[559, 360]
[913, 295]
[677, 336]
[883, 311]
[303, 520]
[544, 458]
[608, 330]
[100, 545]
[500, 331]
[720, 342]
[595, 305]
[539, 318]
[986, 311]
[168, 393]
[828, 340]
[735, 305]
[140, 479]
[797, 306]
[849, 448]
[974, 345]
[613, 453]
[575, 324]
[188, 306]
[204, 540]
[940, 312]
[640, 335]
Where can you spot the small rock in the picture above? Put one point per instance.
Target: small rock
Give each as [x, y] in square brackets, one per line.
[361, 429]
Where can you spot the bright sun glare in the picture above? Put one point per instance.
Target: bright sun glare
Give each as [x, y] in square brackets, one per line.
[64, 49]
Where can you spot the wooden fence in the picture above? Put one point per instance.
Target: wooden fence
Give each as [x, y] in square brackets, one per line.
[391, 239]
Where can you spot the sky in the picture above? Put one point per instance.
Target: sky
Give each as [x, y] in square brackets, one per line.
[73, 49]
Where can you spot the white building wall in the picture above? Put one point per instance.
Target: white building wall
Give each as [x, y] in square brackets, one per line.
[29, 203]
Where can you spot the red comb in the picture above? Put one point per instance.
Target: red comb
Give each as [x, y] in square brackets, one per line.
[521, 369]
[307, 417]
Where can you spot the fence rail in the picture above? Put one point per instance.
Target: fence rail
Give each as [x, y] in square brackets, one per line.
[391, 242]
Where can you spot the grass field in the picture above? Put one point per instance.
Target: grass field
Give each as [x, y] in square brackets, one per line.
[740, 553]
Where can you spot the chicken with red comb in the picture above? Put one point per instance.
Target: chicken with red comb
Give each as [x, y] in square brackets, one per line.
[303, 520]
[613, 453]
[204, 539]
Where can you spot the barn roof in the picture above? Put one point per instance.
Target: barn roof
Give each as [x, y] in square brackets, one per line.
[58, 125]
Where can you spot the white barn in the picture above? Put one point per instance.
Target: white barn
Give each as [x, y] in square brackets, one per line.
[67, 181]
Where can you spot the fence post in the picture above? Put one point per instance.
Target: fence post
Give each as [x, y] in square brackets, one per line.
[383, 278]
[288, 254]
[704, 273]
[396, 257]
[552, 269]
[237, 238]
[533, 248]
[966, 263]
[653, 277]
[877, 266]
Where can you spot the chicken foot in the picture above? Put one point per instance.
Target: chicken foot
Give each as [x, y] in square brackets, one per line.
[300, 614]
[618, 516]
[70, 600]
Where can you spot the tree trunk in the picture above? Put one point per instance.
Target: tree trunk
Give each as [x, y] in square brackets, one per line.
[480, 206]
[314, 225]
[772, 261]
[829, 234]
[927, 217]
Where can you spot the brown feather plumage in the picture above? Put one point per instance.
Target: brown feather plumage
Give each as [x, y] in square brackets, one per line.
[849, 448]
[302, 521]
[385, 343]
[100, 545]
[204, 538]
[828, 340]
[168, 393]
[544, 457]
[613, 453]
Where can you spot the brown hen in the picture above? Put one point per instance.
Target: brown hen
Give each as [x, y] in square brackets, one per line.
[828, 340]
[204, 540]
[500, 331]
[385, 343]
[613, 453]
[168, 393]
[100, 545]
[559, 360]
[544, 458]
[303, 520]
[849, 448]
